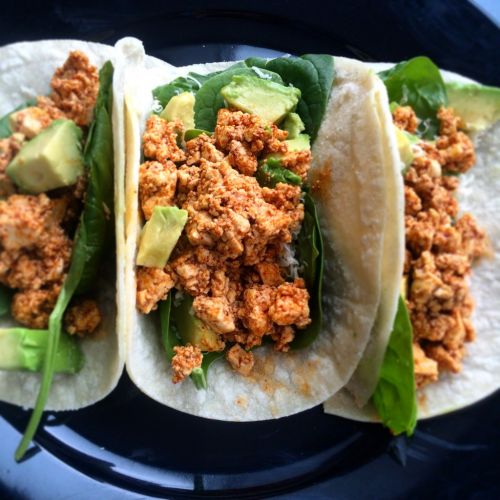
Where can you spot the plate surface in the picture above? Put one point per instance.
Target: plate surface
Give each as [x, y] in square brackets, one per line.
[128, 446]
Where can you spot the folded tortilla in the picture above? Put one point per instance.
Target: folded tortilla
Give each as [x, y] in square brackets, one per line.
[26, 70]
[480, 375]
[352, 156]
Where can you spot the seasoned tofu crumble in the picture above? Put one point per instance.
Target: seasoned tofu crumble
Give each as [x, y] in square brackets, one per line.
[229, 258]
[36, 231]
[441, 246]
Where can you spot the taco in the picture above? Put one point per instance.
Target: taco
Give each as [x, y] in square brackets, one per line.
[256, 194]
[57, 266]
[442, 350]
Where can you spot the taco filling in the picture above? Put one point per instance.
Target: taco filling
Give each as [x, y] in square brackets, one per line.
[236, 199]
[425, 369]
[56, 183]
[37, 230]
[441, 245]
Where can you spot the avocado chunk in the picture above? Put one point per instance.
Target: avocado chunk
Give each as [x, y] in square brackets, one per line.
[269, 100]
[180, 107]
[300, 143]
[24, 349]
[160, 235]
[477, 105]
[192, 330]
[51, 160]
[294, 125]
[405, 142]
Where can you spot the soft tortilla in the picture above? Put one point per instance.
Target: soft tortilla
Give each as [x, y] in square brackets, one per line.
[349, 156]
[26, 70]
[480, 375]
[363, 383]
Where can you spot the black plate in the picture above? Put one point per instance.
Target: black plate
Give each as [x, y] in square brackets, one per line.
[128, 446]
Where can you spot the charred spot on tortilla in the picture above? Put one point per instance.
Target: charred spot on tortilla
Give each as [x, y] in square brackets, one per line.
[241, 401]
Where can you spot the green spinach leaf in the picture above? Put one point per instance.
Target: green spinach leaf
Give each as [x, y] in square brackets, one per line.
[310, 250]
[96, 222]
[168, 337]
[164, 93]
[418, 83]
[190, 83]
[271, 172]
[5, 300]
[258, 62]
[312, 74]
[192, 133]
[199, 376]
[395, 394]
[90, 239]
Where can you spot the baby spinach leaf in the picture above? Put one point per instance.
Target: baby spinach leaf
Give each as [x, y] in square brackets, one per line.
[90, 239]
[271, 172]
[199, 376]
[164, 93]
[190, 83]
[258, 62]
[192, 133]
[96, 221]
[5, 300]
[168, 337]
[418, 83]
[209, 99]
[395, 394]
[325, 69]
[203, 78]
[313, 74]
[5, 130]
[310, 250]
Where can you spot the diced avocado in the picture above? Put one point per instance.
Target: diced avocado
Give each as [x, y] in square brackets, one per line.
[269, 100]
[51, 160]
[195, 132]
[24, 349]
[300, 143]
[405, 142]
[477, 105]
[160, 235]
[180, 107]
[293, 124]
[192, 330]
